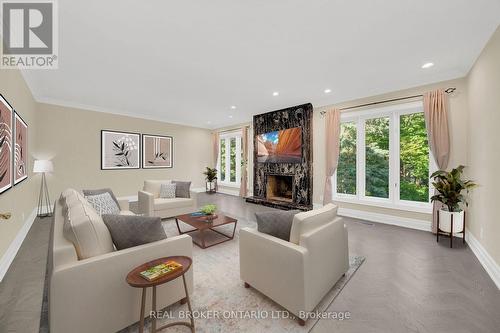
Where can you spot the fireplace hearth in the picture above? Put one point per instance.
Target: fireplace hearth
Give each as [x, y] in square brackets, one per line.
[279, 188]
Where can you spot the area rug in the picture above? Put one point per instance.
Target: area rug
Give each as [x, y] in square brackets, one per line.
[219, 289]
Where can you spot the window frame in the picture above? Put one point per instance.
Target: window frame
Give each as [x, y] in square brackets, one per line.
[226, 138]
[393, 201]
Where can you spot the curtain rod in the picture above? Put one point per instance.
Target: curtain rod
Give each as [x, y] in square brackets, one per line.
[448, 91]
[231, 130]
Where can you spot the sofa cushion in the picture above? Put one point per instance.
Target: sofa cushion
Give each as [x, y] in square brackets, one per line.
[87, 193]
[153, 186]
[163, 204]
[276, 223]
[84, 227]
[181, 189]
[308, 221]
[167, 191]
[128, 231]
[103, 203]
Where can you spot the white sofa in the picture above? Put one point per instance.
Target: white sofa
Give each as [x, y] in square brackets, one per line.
[150, 203]
[299, 273]
[91, 295]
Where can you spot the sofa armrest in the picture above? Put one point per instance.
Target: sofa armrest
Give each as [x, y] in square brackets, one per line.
[97, 286]
[328, 246]
[146, 203]
[124, 204]
[274, 267]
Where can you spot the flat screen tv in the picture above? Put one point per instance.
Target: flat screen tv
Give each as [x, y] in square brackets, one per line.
[283, 146]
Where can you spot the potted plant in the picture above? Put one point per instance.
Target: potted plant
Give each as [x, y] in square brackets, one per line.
[211, 179]
[450, 187]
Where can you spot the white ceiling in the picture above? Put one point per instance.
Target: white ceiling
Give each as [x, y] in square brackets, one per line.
[187, 62]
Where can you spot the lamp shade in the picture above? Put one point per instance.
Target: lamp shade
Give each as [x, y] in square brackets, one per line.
[43, 166]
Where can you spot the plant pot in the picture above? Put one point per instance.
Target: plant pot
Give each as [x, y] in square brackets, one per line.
[211, 187]
[445, 221]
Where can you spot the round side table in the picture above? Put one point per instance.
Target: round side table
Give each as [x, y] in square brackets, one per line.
[134, 279]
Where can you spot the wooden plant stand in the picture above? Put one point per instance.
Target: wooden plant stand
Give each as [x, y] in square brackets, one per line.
[450, 234]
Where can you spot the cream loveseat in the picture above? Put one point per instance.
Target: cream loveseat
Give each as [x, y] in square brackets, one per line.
[91, 295]
[150, 203]
[299, 273]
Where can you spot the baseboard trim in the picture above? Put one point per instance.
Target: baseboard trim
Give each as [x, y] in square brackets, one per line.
[386, 219]
[15, 245]
[489, 264]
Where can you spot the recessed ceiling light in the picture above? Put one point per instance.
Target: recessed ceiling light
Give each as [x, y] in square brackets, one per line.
[233, 107]
[230, 116]
[427, 65]
[327, 91]
[209, 122]
[276, 93]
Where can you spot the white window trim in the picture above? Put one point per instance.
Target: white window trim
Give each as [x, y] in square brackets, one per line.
[227, 136]
[394, 201]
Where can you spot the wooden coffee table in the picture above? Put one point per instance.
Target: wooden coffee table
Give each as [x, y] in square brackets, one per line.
[134, 279]
[199, 224]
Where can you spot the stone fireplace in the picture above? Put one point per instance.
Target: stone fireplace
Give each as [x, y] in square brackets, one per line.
[284, 183]
[279, 188]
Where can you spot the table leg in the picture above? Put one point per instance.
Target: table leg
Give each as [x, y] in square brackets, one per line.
[189, 303]
[202, 235]
[234, 230]
[141, 320]
[178, 228]
[153, 322]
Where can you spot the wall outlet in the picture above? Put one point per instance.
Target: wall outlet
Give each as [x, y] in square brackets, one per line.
[481, 233]
[321, 198]
[22, 216]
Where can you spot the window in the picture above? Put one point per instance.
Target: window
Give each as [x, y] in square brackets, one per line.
[346, 175]
[230, 159]
[384, 158]
[377, 157]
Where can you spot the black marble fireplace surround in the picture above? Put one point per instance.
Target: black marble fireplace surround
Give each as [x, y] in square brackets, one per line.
[301, 173]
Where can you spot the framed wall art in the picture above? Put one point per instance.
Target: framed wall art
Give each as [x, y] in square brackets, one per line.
[6, 112]
[120, 150]
[157, 151]
[20, 149]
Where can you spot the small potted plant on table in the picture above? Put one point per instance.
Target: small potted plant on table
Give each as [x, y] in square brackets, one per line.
[209, 211]
[450, 185]
[211, 180]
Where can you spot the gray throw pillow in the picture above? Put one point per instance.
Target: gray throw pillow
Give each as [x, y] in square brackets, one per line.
[167, 191]
[182, 189]
[132, 230]
[101, 191]
[103, 203]
[276, 223]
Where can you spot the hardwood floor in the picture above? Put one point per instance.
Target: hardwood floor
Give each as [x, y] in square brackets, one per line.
[408, 283]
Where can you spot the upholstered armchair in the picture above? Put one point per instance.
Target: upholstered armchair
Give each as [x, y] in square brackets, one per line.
[297, 274]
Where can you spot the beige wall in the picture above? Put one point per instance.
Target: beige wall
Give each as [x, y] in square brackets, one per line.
[21, 199]
[484, 146]
[71, 138]
[458, 130]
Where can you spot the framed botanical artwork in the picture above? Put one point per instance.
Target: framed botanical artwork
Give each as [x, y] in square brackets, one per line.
[5, 145]
[120, 150]
[157, 151]
[20, 149]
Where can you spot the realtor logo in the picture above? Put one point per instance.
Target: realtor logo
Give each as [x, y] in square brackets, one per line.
[29, 31]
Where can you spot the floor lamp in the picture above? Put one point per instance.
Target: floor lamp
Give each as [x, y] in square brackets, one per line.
[44, 205]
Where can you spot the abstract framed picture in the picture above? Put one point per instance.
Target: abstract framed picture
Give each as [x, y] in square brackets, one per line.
[5, 145]
[120, 150]
[157, 151]
[20, 149]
